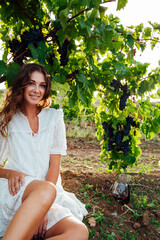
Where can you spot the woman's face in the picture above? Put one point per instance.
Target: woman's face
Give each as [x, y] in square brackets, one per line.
[35, 89]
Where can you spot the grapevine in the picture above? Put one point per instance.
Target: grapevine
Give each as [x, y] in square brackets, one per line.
[34, 36]
[116, 84]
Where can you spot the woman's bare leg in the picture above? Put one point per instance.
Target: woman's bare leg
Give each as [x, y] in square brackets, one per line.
[68, 228]
[36, 201]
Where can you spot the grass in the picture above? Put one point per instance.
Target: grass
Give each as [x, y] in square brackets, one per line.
[80, 129]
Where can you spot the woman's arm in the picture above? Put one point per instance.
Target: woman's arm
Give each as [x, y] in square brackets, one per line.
[54, 168]
[15, 179]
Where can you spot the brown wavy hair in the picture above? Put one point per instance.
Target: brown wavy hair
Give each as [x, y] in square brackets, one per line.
[15, 94]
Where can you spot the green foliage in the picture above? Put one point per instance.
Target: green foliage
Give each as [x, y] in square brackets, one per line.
[84, 49]
[121, 4]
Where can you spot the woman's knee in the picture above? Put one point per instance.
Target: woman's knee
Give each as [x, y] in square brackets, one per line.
[78, 232]
[44, 191]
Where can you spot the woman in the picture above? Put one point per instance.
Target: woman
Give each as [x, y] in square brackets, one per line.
[33, 203]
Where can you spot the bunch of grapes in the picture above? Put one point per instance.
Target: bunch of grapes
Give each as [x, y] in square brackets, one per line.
[62, 49]
[127, 127]
[63, 53]
[32, 36]
[19, 48]
[124, 97]
[115, 140]
[116, 84]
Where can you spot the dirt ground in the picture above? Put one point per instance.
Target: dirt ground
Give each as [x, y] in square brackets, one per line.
[108, 218]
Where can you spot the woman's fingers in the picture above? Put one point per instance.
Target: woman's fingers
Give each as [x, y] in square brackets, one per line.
[22, 180]
[43, 227]
[10, 187]
[15, 184]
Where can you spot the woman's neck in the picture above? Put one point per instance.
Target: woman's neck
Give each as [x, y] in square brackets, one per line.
[30, 111]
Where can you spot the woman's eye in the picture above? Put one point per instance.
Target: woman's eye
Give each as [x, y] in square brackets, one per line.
[30, 83]
[44, 86]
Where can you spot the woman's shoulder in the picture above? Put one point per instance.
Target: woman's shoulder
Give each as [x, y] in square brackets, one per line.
[53, 113]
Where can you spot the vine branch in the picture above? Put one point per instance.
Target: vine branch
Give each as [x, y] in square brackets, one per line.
[148, 39]
[85, 10]
[26, 12]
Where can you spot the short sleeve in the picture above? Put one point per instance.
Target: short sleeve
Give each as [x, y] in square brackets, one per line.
[58, 145]
[3, 149]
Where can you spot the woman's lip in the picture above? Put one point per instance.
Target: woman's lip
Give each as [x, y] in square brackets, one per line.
[34, 96]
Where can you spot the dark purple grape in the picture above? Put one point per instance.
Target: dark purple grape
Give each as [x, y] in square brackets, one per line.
[125, 147]
[124, 97]
[116, 84]
[110, 146]
[50, 58]
[123, 101]
[127, 129]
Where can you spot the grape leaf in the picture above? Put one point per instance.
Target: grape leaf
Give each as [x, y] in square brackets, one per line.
[3, 68]
[121, 4]
[11, 73]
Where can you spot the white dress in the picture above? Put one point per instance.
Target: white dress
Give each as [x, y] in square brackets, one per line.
[30, 154]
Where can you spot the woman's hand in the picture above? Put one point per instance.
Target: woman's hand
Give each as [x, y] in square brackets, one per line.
[41, 232]
[15, 181]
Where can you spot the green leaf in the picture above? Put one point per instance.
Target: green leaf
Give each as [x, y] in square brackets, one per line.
[121, 4]
[93, 15]
[118, 41]
[125, 138]
[158, 92]
[63, 16]
[139, 28]
[61, 88]
[95, 3]
[82, 95]
[144, 86]
[61, 4]
[82, 22]
[11, 73]
[3, 68]
[49, 4]
[107, 35]
[147, 32]
[82, 78]
[102, 11]
[130, 40]
[73, 98]
[42, 50]
[33, 50]
[59, 78]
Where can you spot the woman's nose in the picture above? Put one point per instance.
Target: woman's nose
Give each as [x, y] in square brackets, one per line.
[36, 88]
